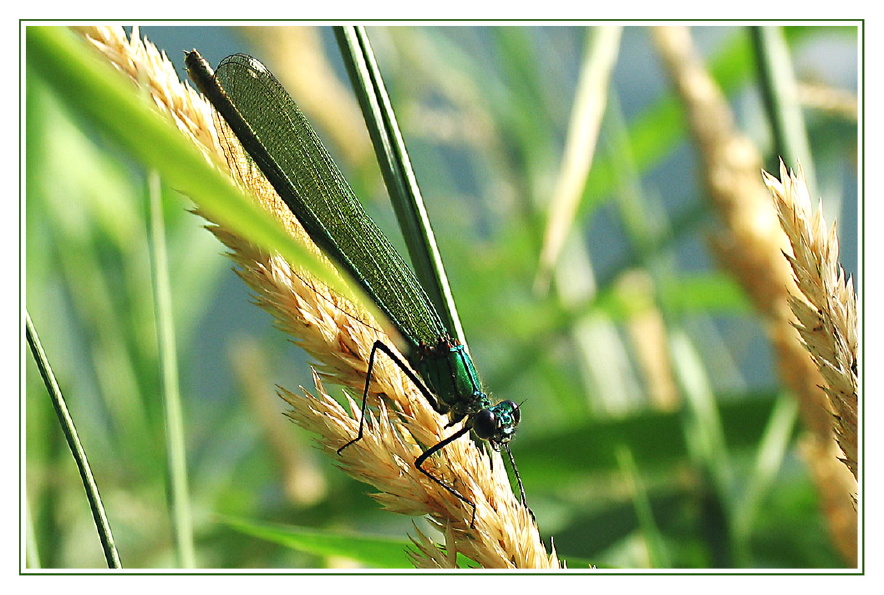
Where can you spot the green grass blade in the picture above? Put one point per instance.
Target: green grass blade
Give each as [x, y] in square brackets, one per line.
[772, 451]
[780, 92]
[179, 494]
[99, 515]
[93, 88]
[657, 555]
[372, 550]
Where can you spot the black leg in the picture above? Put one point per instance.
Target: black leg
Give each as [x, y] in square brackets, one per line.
[431, 399]
[519, 481]
[430, 452]
[379, 346]
[374, 350]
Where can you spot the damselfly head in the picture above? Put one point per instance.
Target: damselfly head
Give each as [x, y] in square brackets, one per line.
[497, 424]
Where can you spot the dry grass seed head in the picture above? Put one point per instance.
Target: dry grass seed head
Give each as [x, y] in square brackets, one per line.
[825, 308]
[339, 335]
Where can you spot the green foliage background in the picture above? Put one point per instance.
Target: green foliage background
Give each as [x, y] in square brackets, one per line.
[713, 480]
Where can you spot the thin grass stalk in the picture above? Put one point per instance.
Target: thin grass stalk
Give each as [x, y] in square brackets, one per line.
[32, 553]
[565, 261]
[768, 461]
[339, 335]
[602, 49]
[749, 245]
[641, 504]
[176, 451]
[779, 89]
[66, 422]
[398, 174]
[705, 437]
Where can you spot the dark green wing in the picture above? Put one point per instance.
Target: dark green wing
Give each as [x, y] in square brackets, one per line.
[295, 161]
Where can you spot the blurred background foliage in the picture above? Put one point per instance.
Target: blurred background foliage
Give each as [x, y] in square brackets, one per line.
[616, 464]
